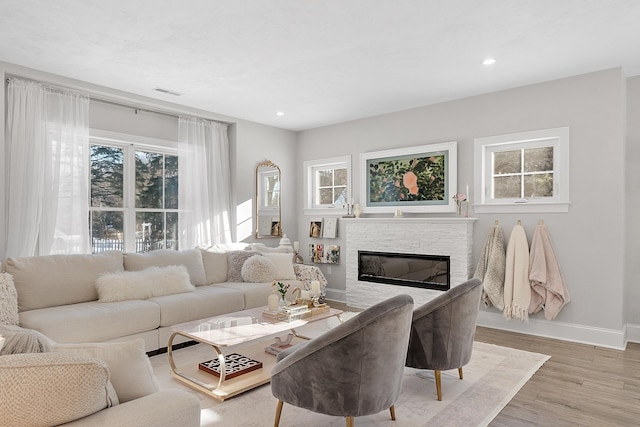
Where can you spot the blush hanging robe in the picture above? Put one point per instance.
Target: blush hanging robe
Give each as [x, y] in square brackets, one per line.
[517, 289]
[549, 290]
[490, 269]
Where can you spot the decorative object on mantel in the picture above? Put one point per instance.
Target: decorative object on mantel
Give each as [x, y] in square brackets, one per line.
[462, 204]
[349, 213]
[357, 211]
[398, 214]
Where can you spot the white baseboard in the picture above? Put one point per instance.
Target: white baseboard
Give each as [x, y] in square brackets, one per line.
[633, 332]
[563, 331]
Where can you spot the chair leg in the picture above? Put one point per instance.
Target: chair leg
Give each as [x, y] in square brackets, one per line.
[392, 409]
[438, 384]
[276, 423]
[460, 372]
[350, 421]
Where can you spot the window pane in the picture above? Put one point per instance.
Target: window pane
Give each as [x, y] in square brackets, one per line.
[172, 230]
[149, 231]
[326, 196]
[171, 182]
[106, 176]
[325, 178]
[507, 162]
[506, 187]
[538, 159]
[149, 180]
[340, 176]
[538, 185]
[106, 231]
[340, 197]
[272, 191]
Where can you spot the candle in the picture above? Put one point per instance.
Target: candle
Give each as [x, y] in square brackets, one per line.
[305, 295]
[296, 247]
[315, 286]
[467, 193]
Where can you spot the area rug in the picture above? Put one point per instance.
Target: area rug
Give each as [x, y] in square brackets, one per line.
[491, 379]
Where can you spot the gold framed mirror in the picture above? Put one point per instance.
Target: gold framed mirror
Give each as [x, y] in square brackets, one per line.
[268, 212]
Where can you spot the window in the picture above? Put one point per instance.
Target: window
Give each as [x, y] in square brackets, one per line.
[327, 184]
[134, 195]
[523, 172]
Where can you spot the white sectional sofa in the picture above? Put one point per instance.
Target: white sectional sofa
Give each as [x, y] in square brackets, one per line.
[57, 294]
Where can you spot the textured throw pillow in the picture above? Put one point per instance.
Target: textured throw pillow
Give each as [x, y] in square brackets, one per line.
[131, 372]
[8, 301]
[23, 340]
[143, 284]
[235, 260]
[46, 389]
[284, 265]
[258, 269]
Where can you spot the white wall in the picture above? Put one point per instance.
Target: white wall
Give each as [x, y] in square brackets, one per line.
[588, 239]
[250, 142]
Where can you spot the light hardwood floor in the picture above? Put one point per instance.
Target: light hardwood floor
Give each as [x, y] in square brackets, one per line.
[580, 385]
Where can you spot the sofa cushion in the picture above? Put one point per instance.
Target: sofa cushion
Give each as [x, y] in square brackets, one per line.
[258, 269]
[93, 321]
[235, 261]
[191, 259]
[215, 266]
[143, 284]
[205, 301]
[284, 265]
[45, 389]
[131, 372]
[8, 301]
[55, 280]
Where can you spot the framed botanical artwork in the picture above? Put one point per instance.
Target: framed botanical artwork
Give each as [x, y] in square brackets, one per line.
[330, 228]
[412, 179]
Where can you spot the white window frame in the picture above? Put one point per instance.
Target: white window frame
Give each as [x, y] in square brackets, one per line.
[558, 138]
[130, 144]
[309, 167]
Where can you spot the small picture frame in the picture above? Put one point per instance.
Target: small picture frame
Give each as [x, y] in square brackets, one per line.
[315, 228]
[316, 253]
[330, 228]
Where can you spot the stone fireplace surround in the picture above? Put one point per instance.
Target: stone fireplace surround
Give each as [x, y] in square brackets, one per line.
[430, 236]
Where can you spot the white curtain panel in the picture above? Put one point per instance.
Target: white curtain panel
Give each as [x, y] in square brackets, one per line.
[47, 175]
[204, 193]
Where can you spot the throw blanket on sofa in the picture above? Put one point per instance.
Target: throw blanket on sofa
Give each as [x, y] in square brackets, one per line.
[549, 290]
[517, 290]
[490, 269]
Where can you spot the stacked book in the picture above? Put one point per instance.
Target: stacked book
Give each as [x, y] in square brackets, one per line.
[294, 312]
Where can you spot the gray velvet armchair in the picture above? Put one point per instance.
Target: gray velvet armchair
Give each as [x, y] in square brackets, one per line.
[443, 329]
[352, 370]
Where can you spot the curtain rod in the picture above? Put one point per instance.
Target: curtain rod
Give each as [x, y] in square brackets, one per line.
[105, 100]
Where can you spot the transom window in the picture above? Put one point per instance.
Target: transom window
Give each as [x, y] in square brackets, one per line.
[134, 196]
[328, 183]
[523, 172]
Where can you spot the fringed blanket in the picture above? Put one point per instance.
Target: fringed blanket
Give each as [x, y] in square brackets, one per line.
[549, 290]
[517, 290]
[490, 269]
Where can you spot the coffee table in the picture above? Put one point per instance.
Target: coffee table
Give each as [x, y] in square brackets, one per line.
[240, 328]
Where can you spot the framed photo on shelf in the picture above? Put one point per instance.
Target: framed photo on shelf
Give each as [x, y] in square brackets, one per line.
[412, 179]
[316, 252]
[330, 228]
[315, 228]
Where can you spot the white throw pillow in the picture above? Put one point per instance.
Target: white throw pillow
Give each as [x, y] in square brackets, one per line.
[8, 301]
[284, 265]
[131, 372]
[258, 269]
[143, 284]
[215, 266]
[190, 258]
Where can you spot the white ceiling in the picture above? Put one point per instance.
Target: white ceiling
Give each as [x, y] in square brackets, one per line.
[319, 61]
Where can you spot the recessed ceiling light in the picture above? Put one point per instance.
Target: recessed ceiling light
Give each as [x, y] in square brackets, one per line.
[489, 61]
[280, 113]
[167, 91]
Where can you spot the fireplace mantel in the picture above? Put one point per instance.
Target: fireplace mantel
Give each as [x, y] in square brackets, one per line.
[429, 236]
